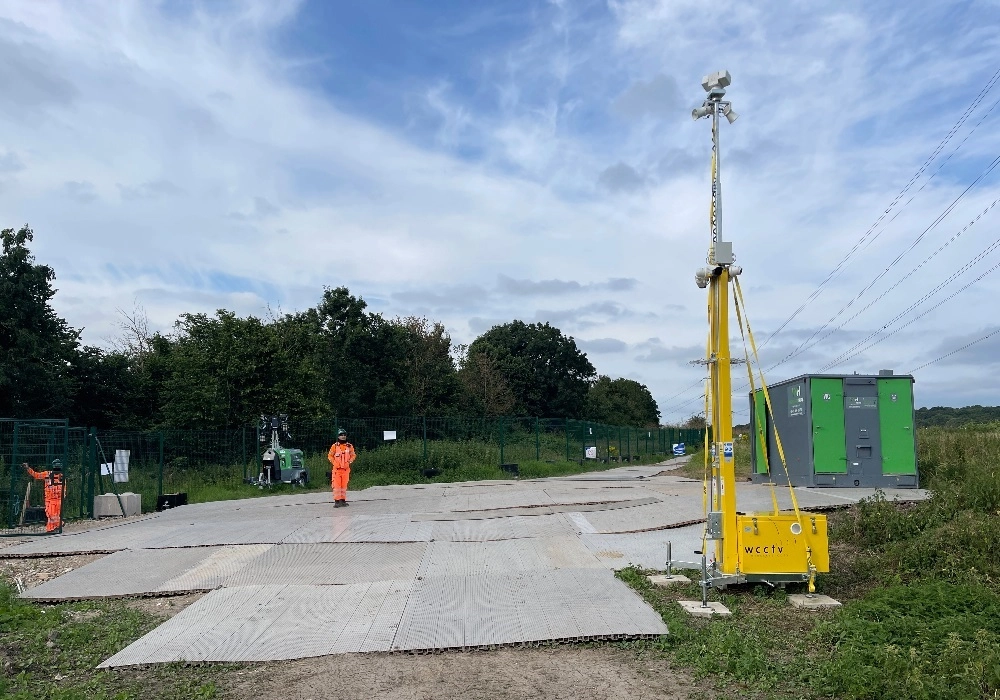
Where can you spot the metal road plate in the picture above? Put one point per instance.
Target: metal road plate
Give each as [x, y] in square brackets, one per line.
[661, 514]
[215, 570]
[130, 572]
[493, 609]
[261, 623]
[645, 549]
[535, 511]
[476, 558]
[345, 526]
[514, 527]
[332, 563]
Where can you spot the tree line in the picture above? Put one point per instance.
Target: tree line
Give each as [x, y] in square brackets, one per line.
[336, 358]
[944, 417]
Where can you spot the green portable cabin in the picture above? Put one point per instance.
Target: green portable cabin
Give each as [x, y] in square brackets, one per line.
[837, 430]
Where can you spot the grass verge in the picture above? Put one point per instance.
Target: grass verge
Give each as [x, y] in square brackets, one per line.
[52, 651]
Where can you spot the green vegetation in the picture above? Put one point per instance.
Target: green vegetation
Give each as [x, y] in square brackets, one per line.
[337, 358]
[944, 417]
[52, 651]
[920, 585]
[400, 463]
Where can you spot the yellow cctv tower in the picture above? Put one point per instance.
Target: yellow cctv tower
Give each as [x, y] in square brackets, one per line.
[777, 546]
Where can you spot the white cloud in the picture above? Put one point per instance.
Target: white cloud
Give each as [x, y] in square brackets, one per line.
[184, 160]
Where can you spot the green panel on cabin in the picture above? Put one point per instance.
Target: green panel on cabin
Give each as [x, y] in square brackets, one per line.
[896, 426]
[829, 440]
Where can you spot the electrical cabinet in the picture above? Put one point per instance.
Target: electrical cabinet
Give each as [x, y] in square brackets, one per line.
[836, 430]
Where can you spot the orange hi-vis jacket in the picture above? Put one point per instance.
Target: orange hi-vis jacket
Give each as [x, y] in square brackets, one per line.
[341, 455]
[55, 487]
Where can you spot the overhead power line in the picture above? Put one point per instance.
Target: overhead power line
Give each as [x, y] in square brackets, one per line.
[878, 222]
[803, 347]
[958, 350]
[871, 238]
[951, 296]
[934, 224]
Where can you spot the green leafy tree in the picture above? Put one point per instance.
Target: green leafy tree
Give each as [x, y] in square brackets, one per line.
[695, 421]
[226, 370]
[942, 416]
[622, 402]
[547, 374]
[37, 348]
[485, 389]
[104, 389]
[430, 379]
[357, 357]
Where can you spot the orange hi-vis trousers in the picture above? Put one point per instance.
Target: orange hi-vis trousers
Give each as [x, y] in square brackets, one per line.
[340, 478]
[54, 487]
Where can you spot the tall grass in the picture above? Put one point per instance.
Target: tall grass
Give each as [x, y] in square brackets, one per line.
[954, 535]
[927, 621]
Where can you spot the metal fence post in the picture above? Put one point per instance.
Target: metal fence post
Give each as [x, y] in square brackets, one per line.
[425, 438]
[567, 439]
[93, 468]
[243, 430]
[159, 485]
[538, 444]
[501, 439]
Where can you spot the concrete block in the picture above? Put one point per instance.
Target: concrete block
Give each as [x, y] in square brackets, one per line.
[816, 602]
[693, 607]
[107, 505]
[674, 580]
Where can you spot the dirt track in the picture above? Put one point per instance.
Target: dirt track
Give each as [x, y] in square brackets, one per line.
[555, 673]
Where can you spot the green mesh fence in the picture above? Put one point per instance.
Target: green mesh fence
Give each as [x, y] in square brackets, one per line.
[218, 464]
[37, 445]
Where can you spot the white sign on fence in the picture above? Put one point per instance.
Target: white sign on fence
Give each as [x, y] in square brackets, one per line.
[591, 453]
[121, 466]
[388, 434]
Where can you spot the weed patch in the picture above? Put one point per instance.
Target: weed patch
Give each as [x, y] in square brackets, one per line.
[927, 640]
[52, 652]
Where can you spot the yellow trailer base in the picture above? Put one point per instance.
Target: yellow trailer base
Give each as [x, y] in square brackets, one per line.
[782, 544]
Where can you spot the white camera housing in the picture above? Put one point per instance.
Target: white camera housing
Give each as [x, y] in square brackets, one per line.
[719, 79]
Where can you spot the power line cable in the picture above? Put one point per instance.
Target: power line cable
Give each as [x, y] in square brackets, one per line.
[687, 389]
[849, 354]
[933, 225]
[954, 352]
[898, 212]
[802, 347]
[854, 249]
[870, 239]
[943, 163]
[951, 296]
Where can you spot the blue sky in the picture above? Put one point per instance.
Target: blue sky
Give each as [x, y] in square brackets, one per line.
[480, 162]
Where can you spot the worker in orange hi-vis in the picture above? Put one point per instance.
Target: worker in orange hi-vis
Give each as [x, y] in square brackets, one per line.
[341, 455]
[55, 488]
